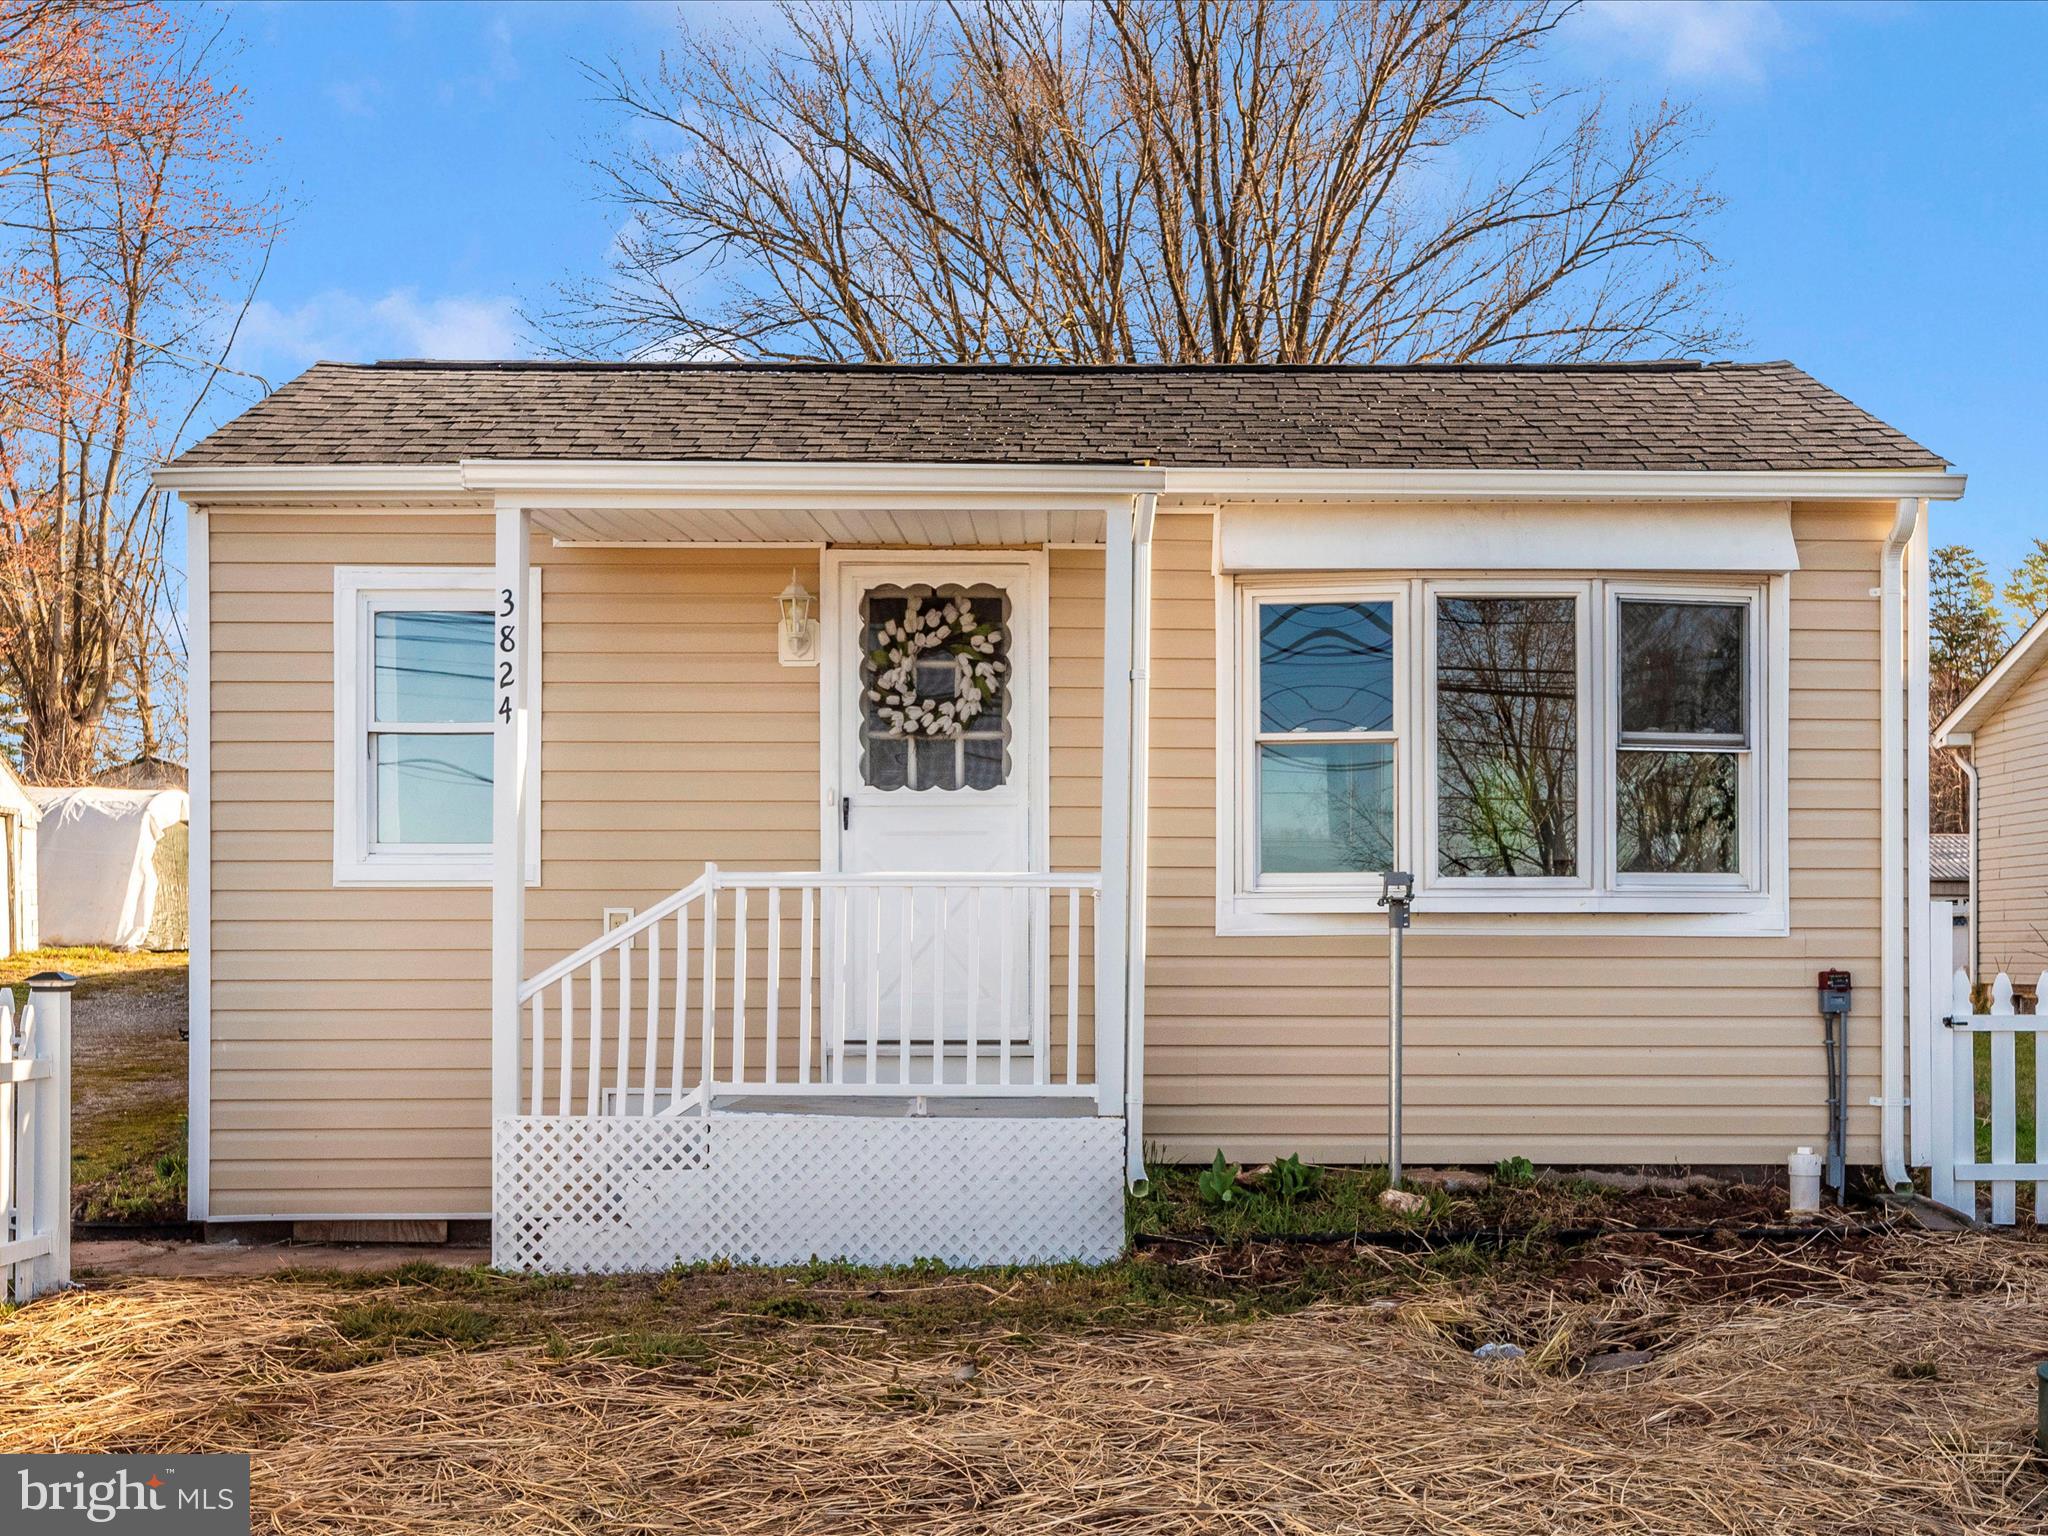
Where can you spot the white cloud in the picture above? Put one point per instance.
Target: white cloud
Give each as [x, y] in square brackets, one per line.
[498, 64]
[1693, 39]
[355, 98]
[339, 326]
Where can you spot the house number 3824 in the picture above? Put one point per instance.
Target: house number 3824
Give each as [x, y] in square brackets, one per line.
[508, 645]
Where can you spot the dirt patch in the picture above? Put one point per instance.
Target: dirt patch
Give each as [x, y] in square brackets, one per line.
[125, 1047]
[1883, 1384]
[110, 1259]
[1346, 1202]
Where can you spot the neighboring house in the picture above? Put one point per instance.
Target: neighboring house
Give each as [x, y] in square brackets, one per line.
[494, 662]
[18, 816]
[2002, 726]
[111, 866]
[1948, 879]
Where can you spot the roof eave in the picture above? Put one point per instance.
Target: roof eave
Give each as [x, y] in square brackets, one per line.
[506, 478]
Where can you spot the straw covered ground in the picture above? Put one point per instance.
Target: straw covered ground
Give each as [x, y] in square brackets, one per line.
[1880, 1384]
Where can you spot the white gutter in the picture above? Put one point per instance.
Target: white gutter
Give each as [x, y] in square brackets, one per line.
[1569, 484]
[531, 477]
[1136, 886]
[310, 479]
[741, 476]
[1901, 663]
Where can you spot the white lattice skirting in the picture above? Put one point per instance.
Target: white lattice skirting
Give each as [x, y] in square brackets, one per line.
[618, 1194]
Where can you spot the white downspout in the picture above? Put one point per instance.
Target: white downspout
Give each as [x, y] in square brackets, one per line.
[1969, 766]
[1140, 853]
[1903, 664]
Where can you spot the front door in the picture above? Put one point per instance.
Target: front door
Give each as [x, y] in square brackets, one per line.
[933, 702]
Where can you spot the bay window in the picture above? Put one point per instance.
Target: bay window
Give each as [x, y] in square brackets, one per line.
[1544, 745]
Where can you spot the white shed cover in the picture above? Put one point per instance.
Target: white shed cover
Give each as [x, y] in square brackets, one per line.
[96, 862]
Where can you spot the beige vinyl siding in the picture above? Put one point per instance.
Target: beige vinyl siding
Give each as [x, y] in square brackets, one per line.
[350, 1052]
[1602, 1048]
[2011, 753]
[348, 1073]
[349, 1026]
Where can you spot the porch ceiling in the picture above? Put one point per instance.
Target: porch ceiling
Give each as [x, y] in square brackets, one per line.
[923, 526]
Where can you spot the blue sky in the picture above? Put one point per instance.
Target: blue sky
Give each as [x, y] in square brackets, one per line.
[1885, 167]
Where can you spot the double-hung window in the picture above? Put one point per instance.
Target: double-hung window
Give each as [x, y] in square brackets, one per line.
[1584, 744]
[1685, 736]
[1322, 724]
[414, 685]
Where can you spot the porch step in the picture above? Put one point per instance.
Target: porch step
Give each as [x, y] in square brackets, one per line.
[890, 1106]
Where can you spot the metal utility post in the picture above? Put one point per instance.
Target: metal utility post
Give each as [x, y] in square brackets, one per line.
[1835, 993]
[1398, 892]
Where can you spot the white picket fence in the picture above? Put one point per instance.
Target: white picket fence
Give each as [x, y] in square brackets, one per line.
[1956, 1109]
[35, 1141]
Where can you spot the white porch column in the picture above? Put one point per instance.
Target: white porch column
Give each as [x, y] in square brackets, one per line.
[1113, 920]
[508, 804]
[1141, 819]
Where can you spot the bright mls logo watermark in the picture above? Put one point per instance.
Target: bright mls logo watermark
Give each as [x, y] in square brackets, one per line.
[161, 1495]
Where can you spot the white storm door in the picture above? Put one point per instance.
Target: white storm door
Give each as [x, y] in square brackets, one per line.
[914, 799]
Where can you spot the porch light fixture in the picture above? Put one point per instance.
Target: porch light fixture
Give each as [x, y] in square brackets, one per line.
[797, 637]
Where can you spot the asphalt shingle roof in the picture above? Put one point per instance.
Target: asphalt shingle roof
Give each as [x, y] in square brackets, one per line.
[1948, 855]
[1654, 416]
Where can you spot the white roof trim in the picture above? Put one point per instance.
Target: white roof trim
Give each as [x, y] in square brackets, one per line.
[311, 479]
[1570, 484]
[2014, 668]
[751, 476]
[1507, 536]
[533, 480]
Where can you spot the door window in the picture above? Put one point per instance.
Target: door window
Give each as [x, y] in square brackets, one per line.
[935, 687]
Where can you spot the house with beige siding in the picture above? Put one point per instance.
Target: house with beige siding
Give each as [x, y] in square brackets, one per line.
[2002, 728]
[771, 810]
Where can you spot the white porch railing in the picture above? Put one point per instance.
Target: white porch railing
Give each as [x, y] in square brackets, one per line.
[35, 1141]
[1954, 1168]
[797, 984]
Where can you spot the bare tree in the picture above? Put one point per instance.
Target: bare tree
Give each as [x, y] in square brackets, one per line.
[118, 222]
[1140, 180]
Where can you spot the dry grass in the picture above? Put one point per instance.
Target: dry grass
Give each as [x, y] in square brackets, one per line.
[1886, 1387]
[99, 969]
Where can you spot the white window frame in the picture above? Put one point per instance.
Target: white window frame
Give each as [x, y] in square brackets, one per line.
[360, 593]
[1751, 790]
[1755, 904]
[1482, 890]
[1307, 891]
